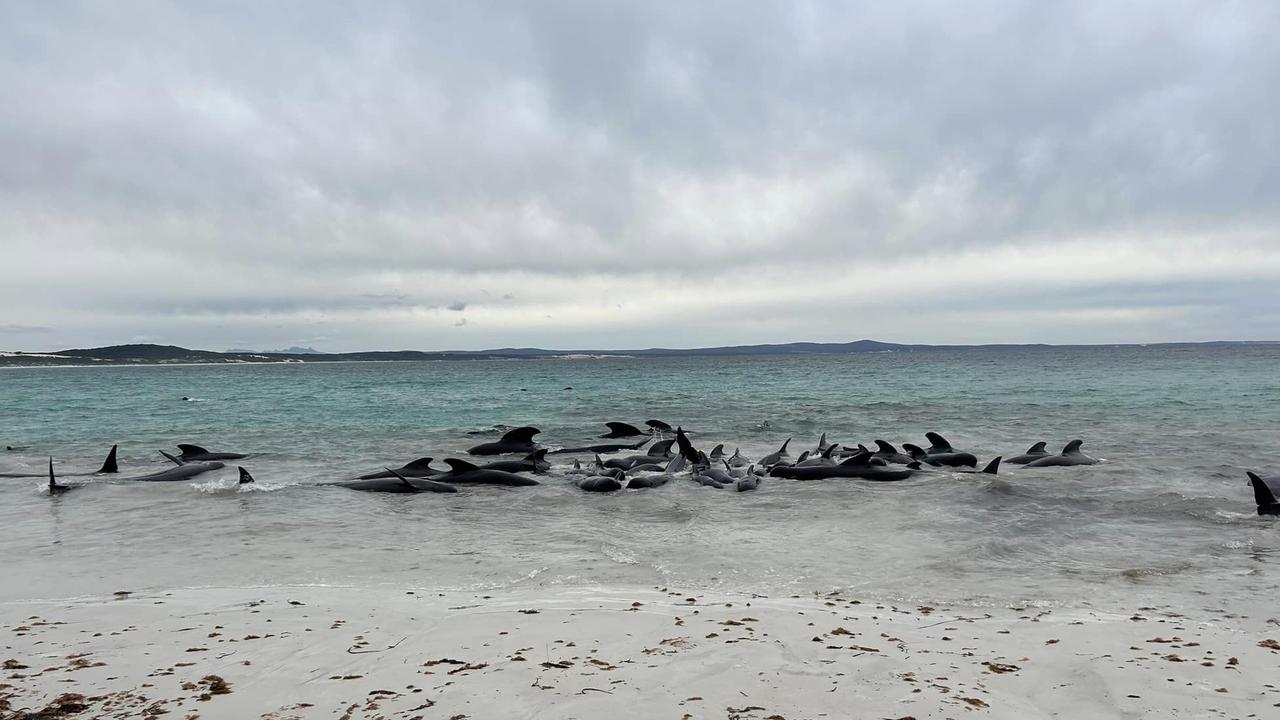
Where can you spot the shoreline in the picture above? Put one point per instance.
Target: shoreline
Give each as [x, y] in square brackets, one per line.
[315, 651]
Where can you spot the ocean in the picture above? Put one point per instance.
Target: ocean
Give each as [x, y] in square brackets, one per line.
[1166, 519]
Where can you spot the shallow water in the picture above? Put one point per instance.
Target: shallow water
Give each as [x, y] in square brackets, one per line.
[1168, 518]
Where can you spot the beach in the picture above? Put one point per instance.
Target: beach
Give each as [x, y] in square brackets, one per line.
[326, 652]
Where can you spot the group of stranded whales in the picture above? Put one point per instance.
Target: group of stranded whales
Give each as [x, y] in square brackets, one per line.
[670, 456]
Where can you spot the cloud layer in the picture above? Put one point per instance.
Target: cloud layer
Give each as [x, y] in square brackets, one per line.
[578, 175]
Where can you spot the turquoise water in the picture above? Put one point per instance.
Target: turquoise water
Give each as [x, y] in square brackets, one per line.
[1167, 518]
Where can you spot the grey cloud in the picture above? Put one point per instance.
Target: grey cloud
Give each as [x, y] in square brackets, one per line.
[237, 162]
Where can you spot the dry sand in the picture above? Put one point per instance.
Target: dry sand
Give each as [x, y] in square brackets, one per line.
[610, 653]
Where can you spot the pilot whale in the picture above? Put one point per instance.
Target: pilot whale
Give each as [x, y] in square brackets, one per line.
[461, 471]
[417, 468]
[862, 466]
[183, 471]
[395, 483]
[195, 453]
[1069, 456]
[603, 447]
[519, 440]
[1035, 452]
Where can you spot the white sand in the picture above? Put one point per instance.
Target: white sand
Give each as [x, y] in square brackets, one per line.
[590, 653]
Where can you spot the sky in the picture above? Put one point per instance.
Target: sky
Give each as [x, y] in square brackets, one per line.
[595, 175]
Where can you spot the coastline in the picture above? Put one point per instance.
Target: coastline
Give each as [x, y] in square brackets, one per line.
[312, 652]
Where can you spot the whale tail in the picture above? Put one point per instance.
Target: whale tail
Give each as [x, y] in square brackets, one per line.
[676, 465]
[1261, 494]
[539, 459]
[109, 465]
[993, 467]
[662, 448]
[245, 477]
[686, 447]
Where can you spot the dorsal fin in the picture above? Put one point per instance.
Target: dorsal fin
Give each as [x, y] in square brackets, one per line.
[621, 429]
[109, 466]
[1072, 447]
[661, 448]
[459, 466]
[822, 442]
[422, 463]
[599, 462]
[885, 447]
[521, 434]
[192, 450]
[1036, 449]
[938, 441]
[640, 444]
[245, 477]
[861, 458]
[829, 450]
[577, 465]
[53, 482]
[404, 479]
[737, 453]
[172, 459]
[863, 448]
[783, 449]
[658, 425]
[803, 456]
[717, 451]
[1261, 491]
[536, 456]
[915, 451]
[993, 467]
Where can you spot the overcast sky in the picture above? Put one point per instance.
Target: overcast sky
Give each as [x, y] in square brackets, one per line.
[571, 175]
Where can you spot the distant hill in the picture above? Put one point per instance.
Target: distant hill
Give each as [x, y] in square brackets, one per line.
[145, 354]
[294, 350]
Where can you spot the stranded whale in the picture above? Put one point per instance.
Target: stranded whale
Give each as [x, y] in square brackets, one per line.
[1069, 456]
